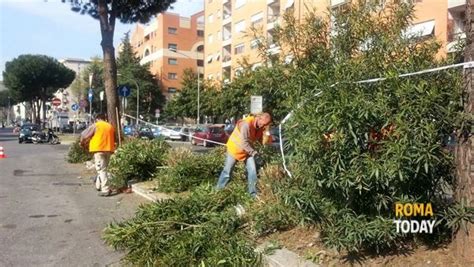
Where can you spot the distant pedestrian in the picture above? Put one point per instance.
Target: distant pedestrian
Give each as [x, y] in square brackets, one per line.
[101, 137]
[240, 147]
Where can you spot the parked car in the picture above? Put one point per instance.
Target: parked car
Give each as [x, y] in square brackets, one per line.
[156, 131]
[145, 133]
[67, 128]
[214, 133]
[129, 130]
[166, 131]
[183, 134]
[175, 133]
[27, 131]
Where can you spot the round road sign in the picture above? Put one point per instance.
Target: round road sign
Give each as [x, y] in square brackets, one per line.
[56, 102]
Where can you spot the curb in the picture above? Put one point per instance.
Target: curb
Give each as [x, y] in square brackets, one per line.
[285, 257]
[144, 191]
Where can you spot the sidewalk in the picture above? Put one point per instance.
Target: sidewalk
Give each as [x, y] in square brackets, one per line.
[279, 257]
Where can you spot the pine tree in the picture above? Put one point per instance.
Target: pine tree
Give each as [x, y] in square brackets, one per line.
[131, 74]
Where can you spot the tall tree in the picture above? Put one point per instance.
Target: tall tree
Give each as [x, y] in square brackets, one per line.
[133, 74]
[184, 104]
[464, 242]
[107, 11]
[35, 78]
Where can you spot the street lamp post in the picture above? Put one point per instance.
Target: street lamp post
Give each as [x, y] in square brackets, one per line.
[8, 113]
[138, 99]
[197, 119]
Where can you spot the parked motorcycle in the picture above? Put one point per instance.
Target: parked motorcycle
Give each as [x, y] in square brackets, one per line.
[42, 137]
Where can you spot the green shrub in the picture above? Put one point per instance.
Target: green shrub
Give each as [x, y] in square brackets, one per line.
[202, 228]
[187, 170]
[136, 159]
[77, 154]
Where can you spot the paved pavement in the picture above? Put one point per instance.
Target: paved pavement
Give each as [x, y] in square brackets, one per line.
[49, 216]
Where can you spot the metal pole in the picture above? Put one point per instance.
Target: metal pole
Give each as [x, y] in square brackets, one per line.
[198, 95]
[8, 113]
[138, 98]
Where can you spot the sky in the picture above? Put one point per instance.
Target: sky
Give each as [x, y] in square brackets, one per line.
[51, 28]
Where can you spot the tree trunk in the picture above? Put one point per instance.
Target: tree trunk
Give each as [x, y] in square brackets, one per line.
[43, 105]
[107, 27]
[464, 191]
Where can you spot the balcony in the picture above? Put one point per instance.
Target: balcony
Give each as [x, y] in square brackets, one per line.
[456, 4]
[335, 3]
[454, 41]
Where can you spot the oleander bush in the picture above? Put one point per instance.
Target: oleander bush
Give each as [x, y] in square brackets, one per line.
[137, 159]
[354, 149]
[77, 154]
[201, 229]
[187, 170]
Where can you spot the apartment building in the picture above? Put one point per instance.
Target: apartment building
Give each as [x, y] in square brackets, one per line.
[171, 44]
[228, 39]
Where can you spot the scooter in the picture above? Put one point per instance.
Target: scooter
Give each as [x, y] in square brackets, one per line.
[41, 137]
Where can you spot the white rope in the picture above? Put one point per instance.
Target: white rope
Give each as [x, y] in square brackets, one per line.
[169, 129]
[465, 65]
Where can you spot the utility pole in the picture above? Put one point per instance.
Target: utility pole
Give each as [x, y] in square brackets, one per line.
[464, 191]
[8, 112]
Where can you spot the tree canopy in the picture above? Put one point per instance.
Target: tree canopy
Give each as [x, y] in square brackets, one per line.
[107, 12]
[133, 74]
[35, 78]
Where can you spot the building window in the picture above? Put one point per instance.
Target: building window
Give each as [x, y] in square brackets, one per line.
[172, 76]
[239, 26]
[254, 44]
[257, 19]
[200, 48]
[210, 38]
[173, 47]
[172, 90]
[239, 3]
[172, 30]
[200, 33]
[210, 18]
[239, 49]
[172, 61]
[200, 63]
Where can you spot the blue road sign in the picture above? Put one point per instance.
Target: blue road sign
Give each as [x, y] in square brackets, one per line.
[124, 91]
[90, 95]
[75, 107]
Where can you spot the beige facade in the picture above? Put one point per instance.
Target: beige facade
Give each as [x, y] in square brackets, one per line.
[171, 44]
[228, 39]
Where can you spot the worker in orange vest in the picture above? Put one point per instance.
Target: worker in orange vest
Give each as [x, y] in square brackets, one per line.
[102, 144]
[240, 147]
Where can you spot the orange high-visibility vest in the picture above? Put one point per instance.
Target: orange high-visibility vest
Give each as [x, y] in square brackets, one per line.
[234, 144]
[103, 139]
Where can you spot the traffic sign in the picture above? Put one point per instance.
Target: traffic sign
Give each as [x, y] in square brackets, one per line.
[90, 94]
[56, 102]
[83, 103]
[124, 91]
[256, 104]
[75, 107]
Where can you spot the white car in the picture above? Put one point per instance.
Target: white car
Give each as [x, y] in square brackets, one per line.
[165, 132]
[175, 133]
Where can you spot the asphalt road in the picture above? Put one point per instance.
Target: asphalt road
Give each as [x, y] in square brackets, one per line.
[49, 215]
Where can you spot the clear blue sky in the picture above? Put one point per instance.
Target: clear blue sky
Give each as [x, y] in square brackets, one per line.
[51, 28]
